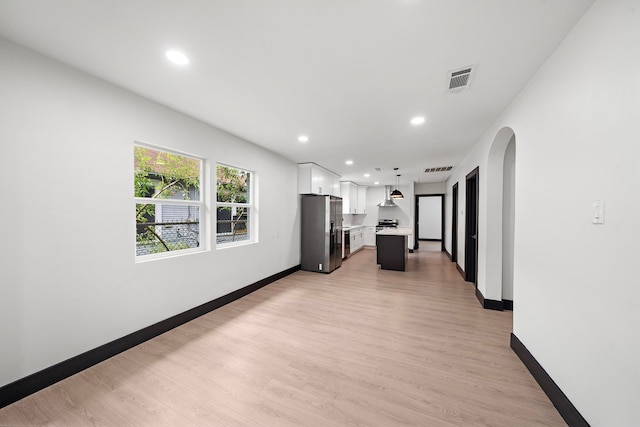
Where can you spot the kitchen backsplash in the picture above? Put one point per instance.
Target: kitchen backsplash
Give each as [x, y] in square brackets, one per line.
[349, 220]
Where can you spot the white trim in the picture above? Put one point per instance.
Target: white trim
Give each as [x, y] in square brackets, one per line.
[233, 205]
[177, 202]
[221, 246]
[170, 254]
[250, 204]
[138, 143]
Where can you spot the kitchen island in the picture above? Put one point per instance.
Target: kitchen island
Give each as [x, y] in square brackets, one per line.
[392, 248]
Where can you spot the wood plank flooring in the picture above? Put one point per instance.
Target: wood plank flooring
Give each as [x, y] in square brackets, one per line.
[358, 347]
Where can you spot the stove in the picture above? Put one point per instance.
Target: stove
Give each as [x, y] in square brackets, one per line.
[386, 223]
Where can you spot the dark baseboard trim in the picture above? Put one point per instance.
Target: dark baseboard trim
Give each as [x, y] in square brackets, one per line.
[23, 387]
[489, 304]
[460, 270]
[430, 240]
[446, 252]
[507, 304]
[557, 397]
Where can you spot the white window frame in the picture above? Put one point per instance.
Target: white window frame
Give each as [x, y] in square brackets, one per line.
[251, 205]
[200, 204]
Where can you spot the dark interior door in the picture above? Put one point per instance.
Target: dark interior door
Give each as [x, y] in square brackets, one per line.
[471, 229]
[454, 223]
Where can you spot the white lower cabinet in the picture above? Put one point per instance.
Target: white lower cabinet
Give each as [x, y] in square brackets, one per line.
[370, 236]
[357, 238]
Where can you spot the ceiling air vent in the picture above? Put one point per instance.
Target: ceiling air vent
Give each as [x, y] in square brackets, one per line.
[459, 79]
[378, 169]
[439, 169]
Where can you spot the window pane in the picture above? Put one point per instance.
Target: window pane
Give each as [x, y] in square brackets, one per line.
[232, 185]
[232, 224]
[163, 175]
[163, 228]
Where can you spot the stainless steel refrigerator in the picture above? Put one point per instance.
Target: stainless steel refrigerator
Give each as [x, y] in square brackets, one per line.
[321, 233]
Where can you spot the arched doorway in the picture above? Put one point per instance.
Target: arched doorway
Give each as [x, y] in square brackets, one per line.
[499, 237]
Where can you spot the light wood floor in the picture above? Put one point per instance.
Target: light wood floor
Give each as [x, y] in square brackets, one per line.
[358, 347]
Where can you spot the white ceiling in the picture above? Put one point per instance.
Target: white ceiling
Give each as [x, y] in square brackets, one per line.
[348, 73]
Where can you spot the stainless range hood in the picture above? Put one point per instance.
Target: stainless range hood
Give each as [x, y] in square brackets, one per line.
[388, 201]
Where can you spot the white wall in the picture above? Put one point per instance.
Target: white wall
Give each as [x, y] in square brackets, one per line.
[430, 188]
[577, 140]
[68, 277]
[375, 195]
[508, 219]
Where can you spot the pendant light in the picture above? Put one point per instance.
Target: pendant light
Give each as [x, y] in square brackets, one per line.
[396, 194]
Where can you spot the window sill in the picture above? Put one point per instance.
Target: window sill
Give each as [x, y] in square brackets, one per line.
[164, 255]
[234, 244]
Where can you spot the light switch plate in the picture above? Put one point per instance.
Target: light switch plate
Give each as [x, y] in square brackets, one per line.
[598, 211]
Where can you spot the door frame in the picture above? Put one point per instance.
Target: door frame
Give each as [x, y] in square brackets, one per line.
[471, 226]
[417, 219]
[454, 223]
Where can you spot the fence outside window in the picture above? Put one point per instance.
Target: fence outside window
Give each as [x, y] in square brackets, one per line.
[174, 235]
[230, 226]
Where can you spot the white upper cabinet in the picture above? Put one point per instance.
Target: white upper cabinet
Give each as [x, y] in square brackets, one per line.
[314, 179]
[354, 198]
[362, 199]
[348, 192]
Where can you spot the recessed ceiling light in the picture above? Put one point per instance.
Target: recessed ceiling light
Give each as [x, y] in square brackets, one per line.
[418, 120]
[176, 57]
[366, 175]
[376, 183]
[303, 138]
[349, 162]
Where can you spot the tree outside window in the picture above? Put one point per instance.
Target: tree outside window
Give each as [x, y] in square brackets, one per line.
[167, 189]
[233, 205]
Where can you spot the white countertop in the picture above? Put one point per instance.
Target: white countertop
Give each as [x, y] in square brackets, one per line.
[398, 231]
[351, 227]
